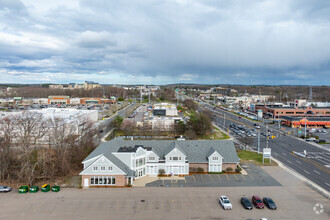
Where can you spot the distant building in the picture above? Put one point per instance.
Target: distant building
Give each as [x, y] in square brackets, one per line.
[53, 100]
[56, 86]
[91, 85]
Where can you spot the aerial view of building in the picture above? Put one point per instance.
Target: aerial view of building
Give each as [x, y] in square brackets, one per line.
[122, 161]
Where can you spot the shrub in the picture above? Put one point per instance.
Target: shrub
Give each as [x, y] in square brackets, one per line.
[229, 169]
[200, 170]
[238, 169]
[161, 172]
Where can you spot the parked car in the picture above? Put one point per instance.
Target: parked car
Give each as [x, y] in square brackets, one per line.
[257, 202]
[225, 202]
[269, 203]
[246, 203]
[5, 188]
[311, 139]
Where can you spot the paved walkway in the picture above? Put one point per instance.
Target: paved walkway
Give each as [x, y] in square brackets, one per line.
[141, 182]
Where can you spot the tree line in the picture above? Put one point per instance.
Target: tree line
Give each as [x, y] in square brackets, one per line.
[34, 148]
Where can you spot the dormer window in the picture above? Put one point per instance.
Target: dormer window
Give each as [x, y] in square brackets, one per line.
[152, 158]
[215, 158]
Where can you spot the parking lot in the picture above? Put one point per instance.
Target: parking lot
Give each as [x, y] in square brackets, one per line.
[256, 177]
[294, 199]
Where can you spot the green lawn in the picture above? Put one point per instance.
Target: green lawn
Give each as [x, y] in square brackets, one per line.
[252, 157]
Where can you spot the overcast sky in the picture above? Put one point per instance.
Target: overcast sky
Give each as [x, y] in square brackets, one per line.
[160, 42]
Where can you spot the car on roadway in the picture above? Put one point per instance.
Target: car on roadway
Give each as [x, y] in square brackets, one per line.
[269, 203]
[225, 202]
[246, 203]
[311, 139]
[5, 188]
[256, 200]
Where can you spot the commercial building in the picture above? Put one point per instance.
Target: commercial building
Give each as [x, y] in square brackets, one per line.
[309, 122]
[278, 112]
[56, 86]
[165, 109]
[119, 162]
[53, 100]
[94, 101]
[91, 85]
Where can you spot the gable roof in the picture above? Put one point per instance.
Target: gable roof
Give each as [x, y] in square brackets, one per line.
[172, 146]
[196, 151]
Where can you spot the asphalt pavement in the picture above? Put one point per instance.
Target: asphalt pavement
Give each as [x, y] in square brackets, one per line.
[282, 148]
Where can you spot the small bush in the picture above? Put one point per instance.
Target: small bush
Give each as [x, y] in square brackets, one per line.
[200, 170]
[229, 169]
[161, 172]
[238, 169]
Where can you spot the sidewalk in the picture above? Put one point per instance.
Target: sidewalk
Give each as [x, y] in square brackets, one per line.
[142, 181]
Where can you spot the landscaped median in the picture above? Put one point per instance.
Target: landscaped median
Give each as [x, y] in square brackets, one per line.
[246, 156]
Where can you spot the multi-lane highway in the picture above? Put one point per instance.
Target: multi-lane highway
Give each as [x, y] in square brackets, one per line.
[314, 167]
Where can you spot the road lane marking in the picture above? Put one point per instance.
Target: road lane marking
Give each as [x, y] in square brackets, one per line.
[298, 162]
[316, 172]
[306, 172]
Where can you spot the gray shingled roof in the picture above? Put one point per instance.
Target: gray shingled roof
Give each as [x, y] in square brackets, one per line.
[197, 151]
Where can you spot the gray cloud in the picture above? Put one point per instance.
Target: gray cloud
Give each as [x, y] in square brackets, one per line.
[168, 41]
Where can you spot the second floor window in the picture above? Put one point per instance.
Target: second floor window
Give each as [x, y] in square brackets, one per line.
[215, 158]
[95, 168]
[103, 168]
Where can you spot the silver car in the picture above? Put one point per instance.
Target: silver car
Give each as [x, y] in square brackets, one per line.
[5, 188]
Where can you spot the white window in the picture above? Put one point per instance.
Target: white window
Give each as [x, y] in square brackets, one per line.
[103, 180]
[175, 158]
[215, 158]
[179, 158]
[103, 168]
[170, 158]
[152, 158]
[95, 168]
[109, 168]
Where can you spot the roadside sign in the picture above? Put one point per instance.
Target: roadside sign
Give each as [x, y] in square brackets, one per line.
[267, 154]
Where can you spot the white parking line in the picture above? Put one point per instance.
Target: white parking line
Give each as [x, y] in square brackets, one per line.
[298, 162]
[327, 184]
[306, 172]
[289, 161]
[276, 153]
[283, 153]
[316, 171]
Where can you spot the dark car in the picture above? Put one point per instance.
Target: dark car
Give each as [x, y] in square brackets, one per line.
[256, 200]
[269, 203]
[246, 203]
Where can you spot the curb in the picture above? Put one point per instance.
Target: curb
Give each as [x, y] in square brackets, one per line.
[314, 186]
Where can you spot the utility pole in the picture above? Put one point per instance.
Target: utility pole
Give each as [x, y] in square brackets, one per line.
[258, 140]
[141, 94]
[149, 95]
[305, 128]
[267, 136]
[224, 121]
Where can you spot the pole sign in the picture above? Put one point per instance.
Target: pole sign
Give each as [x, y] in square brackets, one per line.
[267, 154]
